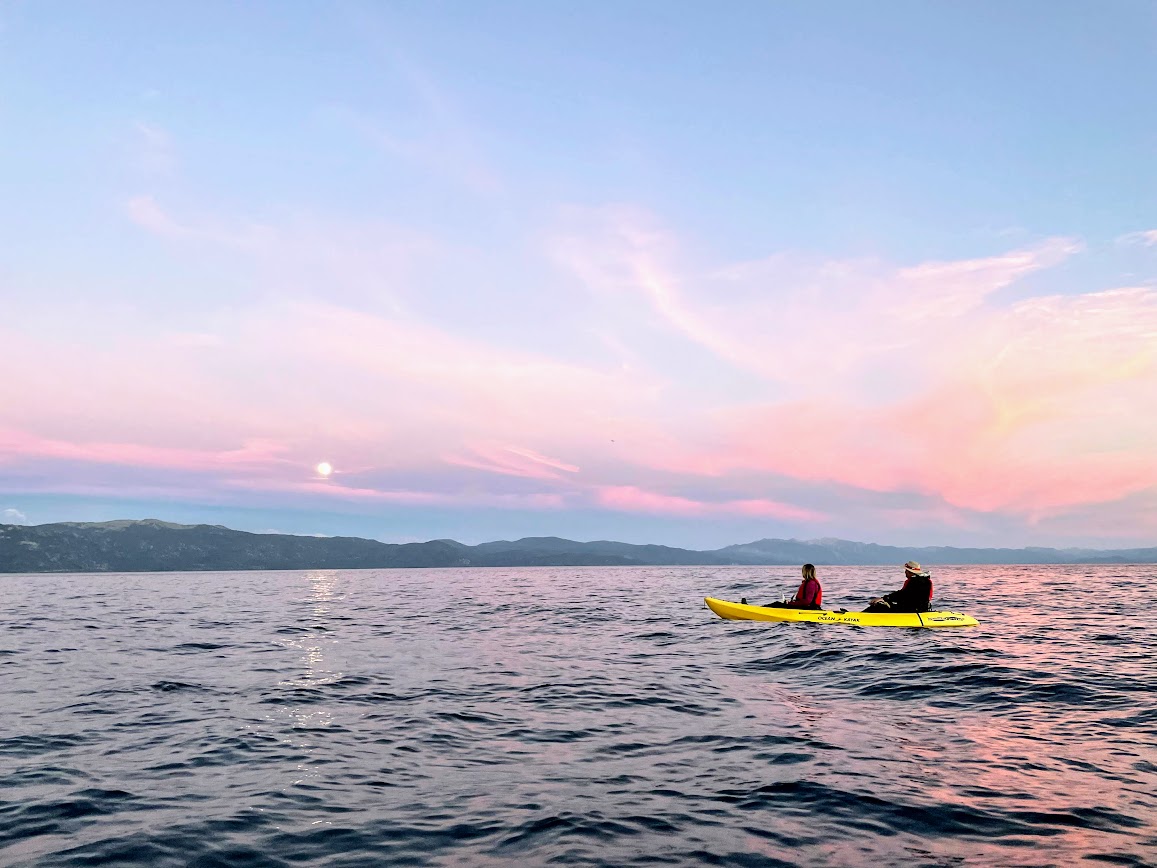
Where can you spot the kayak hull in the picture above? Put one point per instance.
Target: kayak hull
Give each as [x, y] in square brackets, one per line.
[740, 612]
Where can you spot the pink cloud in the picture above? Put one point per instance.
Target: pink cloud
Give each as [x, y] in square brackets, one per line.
[628, 498]
[361, 389]
[1049, 408]
[512, 461]
[262, 464]
[17, 445]
[329, 489]
[887, 378]
[771, 509]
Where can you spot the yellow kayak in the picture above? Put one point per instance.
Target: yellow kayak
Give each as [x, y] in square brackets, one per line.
[740, 612]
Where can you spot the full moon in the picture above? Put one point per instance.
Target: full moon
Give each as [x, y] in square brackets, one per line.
[324, 469]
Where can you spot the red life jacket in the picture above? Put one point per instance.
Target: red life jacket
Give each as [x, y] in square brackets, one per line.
[809, 593]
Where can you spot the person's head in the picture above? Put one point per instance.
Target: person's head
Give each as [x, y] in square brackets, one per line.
[913, 568]
[809, 571]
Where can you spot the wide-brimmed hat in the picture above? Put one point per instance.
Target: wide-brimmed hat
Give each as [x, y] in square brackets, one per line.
[914, 567]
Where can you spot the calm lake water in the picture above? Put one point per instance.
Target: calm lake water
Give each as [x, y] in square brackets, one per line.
[575, 716]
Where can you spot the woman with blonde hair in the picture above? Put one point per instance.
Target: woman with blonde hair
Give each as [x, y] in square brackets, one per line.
[808, 596]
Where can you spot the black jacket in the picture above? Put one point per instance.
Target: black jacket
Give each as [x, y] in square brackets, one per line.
[915, 596]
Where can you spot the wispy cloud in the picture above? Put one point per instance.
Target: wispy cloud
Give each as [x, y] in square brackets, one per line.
[790, 318]
[457, 498]
[511, 461]
[365, 264]
[147, 213]
[432, 133]
[629, 498]
[1145, 238]
[12, 516]
[16, 444]
[156, 152]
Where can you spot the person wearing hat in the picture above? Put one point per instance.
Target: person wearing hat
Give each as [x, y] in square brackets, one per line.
[915, 596]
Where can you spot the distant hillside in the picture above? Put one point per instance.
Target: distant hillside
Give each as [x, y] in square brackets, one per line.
[157, 546]
[839, 551]
[635, 554]
[151, 545]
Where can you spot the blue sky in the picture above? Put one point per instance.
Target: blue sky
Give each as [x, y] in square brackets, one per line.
[659, 272]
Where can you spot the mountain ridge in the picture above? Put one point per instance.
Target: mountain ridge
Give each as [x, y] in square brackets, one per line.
[152, 545]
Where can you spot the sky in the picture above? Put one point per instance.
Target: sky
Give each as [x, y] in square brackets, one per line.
[683, 273]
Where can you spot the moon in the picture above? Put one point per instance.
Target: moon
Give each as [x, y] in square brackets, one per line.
[324, 469]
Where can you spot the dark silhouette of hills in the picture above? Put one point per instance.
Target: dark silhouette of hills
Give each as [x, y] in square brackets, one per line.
[156, 546]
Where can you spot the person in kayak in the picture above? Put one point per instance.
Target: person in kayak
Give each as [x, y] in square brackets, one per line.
[809, 595]
[914, 596]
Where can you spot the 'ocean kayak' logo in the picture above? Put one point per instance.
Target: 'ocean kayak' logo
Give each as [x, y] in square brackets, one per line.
[830, 619]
